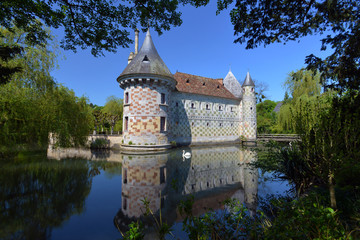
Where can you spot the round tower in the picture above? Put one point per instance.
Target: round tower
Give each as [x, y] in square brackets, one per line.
[147, 84]
[249, 109]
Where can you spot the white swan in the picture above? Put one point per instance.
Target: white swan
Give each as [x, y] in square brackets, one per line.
[186, 155]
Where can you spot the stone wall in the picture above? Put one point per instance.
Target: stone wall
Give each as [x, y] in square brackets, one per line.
[196, 119]
[143, 112]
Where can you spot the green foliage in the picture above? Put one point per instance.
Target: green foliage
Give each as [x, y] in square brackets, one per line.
[113, 112]
[100, 143]
[304, 218]
[265, 22]
[136, 232]
[266, 117]
[304, 87]
[32, 105]
[98, 24]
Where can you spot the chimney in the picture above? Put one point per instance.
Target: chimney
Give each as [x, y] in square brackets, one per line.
[136, 41]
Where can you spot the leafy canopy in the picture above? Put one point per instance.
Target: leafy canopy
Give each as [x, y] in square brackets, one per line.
[263, 22]
[98, 24]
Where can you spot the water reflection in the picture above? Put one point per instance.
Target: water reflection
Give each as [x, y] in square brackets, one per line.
[38, 195]
[211, 175]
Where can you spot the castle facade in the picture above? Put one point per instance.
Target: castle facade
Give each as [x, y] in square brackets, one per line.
[161, 107]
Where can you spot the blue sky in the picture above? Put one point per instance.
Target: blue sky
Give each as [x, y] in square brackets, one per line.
[202, 45]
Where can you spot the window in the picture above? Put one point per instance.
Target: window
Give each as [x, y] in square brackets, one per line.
[176, 104]
[146, 59]
[126, 98]
[231, 109]
[207, 107]
[220, 108]
[207, 124]
[126, 123]
[163, 98]
[162, 175]
[162, 124]
[192, 105]
[125, 176]
[124, 199]
[220, 124]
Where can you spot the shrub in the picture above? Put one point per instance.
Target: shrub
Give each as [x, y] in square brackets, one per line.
[100, 143]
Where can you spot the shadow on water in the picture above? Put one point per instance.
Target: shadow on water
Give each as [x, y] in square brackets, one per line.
[211, 175]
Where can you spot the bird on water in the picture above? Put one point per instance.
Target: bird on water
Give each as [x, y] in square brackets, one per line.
[186, 155]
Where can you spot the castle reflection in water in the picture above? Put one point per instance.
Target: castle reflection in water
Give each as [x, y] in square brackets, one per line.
[211, 175]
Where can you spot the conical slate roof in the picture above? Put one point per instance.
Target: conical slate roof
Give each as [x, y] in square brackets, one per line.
[147, 61]
[248, 81]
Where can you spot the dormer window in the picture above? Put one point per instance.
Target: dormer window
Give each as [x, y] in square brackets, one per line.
[203, 83]
[146, 59]
[207, 107]
[220, 108]
[218, 86]
[187, 80]
[192, 105]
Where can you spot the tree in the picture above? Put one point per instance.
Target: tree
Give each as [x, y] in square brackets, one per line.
[114, 110]
[263, 22]
[260, 89]
[98, 24]
[304, 86]
[32, 104]
[266, 117]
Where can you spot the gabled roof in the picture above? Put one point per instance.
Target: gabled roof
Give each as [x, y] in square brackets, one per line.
[188, 83]
[233, 85]
[248, 81]
[147, 61]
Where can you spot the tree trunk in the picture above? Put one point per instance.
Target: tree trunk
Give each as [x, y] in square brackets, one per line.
[332, 192]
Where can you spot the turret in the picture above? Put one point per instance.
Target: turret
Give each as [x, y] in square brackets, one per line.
[249, 109]
[147, 84]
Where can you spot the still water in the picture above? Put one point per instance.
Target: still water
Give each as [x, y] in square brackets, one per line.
[79, 194]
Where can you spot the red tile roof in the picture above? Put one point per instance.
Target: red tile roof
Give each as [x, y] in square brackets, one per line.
[188, 83]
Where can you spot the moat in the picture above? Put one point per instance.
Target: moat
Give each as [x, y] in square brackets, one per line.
[83, 194]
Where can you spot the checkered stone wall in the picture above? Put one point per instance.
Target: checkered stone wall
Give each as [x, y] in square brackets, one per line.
[203, 119]
[249, 113]
[143, 112]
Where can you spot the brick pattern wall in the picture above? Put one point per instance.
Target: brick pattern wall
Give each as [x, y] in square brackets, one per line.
[144, 111]
[141, 177]
[197, 118]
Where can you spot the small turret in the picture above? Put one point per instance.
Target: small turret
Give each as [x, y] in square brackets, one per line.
[249, 109]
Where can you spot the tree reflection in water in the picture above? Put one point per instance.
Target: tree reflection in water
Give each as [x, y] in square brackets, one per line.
[40, 194]
[212, 175]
